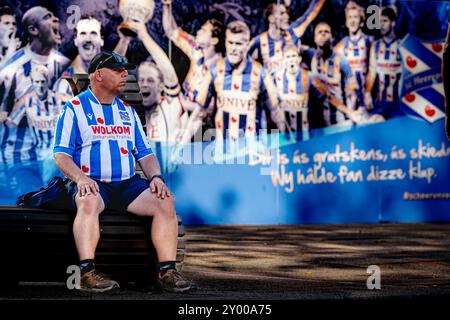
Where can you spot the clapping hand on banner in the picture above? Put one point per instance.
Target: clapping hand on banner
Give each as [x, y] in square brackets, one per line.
[3, 116]
[13, 45]
[368, 101]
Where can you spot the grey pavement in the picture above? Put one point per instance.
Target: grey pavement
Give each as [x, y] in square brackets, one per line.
[302, 262]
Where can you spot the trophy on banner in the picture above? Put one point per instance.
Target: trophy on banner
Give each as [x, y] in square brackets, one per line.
[134, 10]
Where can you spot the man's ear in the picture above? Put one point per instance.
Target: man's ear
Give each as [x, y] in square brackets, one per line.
[271, 18]
[214, 41]
[98, 76]
[33, 30]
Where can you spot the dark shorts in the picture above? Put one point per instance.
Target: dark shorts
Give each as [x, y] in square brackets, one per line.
[116, 195]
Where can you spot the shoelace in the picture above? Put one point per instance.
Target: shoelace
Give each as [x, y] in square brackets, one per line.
[99, 276]
[175, 275]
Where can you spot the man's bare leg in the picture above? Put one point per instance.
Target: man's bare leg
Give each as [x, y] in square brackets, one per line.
[86, 228]
[164, 225]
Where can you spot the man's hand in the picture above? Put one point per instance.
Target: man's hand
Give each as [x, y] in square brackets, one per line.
[358, 116]
[3, 116]
[368, 102]
[123, 37]
[139, 27]
[14, 45]
[86, 186]
[159, 187]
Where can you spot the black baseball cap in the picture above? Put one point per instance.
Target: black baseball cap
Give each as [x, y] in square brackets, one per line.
[111, 60]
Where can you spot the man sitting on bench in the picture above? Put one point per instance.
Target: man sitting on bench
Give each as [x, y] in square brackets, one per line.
[98, 138]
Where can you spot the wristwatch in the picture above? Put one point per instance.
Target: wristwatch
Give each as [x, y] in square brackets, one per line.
[157, 176]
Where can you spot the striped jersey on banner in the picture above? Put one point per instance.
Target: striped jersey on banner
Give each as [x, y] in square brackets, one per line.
[61, 85]
[16, 143]
[41, 117]
[270, 50]
[198, 68]
[103, 140]
[239, 93]
[333, 77]
[422, 89]
[19, 67]
[293, 92]
[385, 71]
[357, 55]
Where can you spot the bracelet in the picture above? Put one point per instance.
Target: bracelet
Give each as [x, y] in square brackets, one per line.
[157, 176]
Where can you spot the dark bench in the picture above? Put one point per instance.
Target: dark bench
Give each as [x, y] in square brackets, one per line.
[37, 245]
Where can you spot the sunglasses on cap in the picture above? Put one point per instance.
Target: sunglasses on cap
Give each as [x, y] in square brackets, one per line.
[112, 60]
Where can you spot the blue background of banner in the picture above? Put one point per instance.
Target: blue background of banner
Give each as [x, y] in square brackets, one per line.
[239, 194]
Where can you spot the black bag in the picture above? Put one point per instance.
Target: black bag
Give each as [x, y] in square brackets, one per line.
[55, 195]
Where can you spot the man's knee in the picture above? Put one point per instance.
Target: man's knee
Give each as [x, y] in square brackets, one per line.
[166, 208]
[89, 204]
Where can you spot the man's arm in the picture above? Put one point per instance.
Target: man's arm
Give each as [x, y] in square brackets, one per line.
[206, 91]
[17, 113]
[351, 98]
[68, 167]
[150, 166]
[169, 23]
[122, 46]
[149, 163]
[183, 40]
[161, 59]
[64, 146]
[370, 79]
[85, 184]
[298, 27]
[350, 89]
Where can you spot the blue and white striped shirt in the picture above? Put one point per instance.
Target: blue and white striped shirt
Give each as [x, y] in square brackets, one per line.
[103, 140]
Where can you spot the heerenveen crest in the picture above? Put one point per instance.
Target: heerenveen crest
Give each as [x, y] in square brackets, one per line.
[422, 89]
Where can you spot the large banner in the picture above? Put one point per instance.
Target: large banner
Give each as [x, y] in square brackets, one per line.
[394, 171]
[293, 111]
